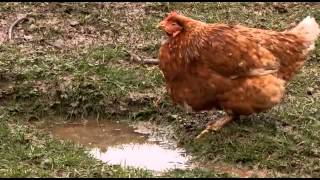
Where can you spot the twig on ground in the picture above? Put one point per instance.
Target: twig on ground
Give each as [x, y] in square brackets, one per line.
[151, 61]
[22, 18]
[136, 58]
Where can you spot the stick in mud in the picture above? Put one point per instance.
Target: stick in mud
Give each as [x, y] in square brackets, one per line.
[22, 18]
[136, 58]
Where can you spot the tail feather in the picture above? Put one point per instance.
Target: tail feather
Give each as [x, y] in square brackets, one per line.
[309, 29]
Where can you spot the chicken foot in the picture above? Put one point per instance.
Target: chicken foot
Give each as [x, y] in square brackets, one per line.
[215, 125]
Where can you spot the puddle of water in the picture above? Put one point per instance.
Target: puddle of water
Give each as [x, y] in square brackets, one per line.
[117, 143]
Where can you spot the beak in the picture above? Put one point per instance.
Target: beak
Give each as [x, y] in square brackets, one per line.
[160, 25]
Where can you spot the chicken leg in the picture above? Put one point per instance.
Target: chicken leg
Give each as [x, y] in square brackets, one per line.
[215, 125]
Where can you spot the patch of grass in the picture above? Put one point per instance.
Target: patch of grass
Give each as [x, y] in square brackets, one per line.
[194, 173]
[87, 82]
[105, 53]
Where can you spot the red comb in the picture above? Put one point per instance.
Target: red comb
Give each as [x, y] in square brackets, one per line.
[172, 13]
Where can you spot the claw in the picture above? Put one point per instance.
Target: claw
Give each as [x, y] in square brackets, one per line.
[206, 131]
[215, 126]
[202, 133]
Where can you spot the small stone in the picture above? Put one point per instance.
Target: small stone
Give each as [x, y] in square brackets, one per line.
[310, 90]
[56, 28]
[46, 163]
[74, 23]
[58, 43]
[28, 37]
[105, 20]
[32, 27]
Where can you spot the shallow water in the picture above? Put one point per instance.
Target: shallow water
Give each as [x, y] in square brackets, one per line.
[117, 143]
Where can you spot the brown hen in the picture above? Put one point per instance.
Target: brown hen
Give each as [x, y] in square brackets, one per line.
[237, 69]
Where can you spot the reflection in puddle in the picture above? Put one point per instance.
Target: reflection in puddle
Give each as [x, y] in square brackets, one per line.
[118, 143]
[150, 156]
